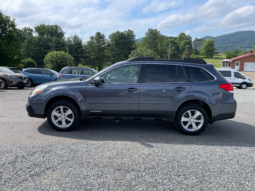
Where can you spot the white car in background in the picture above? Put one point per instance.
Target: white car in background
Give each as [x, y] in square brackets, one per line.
[235, 78]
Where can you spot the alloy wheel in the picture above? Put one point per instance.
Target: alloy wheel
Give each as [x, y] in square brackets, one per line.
[2, 84]
[62, 117]
[192, 120]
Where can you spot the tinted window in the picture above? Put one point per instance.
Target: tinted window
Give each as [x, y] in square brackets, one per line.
[180, 77]
[159, 73]
[198, 74]
[238, 75]
[46, 72]
[122, 75]
[76, 71]
[66, 71]
[226, 73]
[87, 72]
[37, 71]
[29, 71]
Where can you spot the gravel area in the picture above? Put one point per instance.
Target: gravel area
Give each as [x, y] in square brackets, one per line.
[128, 155]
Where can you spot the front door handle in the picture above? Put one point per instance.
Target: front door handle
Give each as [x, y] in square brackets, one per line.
[131, 90]
[179, 89]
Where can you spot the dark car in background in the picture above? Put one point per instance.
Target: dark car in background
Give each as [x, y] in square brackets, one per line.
[189, 92]
[75, 72]
[10, 79]
[38, 76]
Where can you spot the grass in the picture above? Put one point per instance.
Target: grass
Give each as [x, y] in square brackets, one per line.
[216, 61]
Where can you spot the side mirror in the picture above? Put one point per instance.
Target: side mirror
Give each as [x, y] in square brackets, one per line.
[97, 81]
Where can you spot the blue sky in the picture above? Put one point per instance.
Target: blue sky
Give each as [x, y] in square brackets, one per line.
[171, 17]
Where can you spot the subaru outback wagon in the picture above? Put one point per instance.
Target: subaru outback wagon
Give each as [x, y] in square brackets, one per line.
[189, 92]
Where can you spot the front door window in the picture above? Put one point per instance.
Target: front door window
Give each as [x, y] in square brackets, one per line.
[122, 75]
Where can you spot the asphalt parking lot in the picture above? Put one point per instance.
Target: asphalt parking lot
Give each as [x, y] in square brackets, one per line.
[125, 155]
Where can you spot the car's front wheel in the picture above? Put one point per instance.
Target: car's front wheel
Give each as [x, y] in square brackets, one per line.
[63, 115]
[191, 119]
[29, 83]
[3, 83]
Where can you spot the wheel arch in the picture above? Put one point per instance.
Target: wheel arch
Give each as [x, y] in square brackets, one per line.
[198, 102]
[58, 98]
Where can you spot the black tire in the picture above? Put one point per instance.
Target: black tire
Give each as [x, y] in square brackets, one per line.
[20, 87]
[243, 86]
[182, 111]
[4, 84]
[29, 83]
[70, 105]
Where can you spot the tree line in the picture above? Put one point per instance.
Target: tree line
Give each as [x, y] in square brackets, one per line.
[47, 46]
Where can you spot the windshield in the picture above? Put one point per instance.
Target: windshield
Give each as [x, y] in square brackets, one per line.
[6, 70]
[102, 71]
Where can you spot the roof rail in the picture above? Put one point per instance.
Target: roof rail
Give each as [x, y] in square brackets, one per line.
[188, 60]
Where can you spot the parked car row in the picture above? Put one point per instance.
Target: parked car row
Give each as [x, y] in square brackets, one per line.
[35, 76]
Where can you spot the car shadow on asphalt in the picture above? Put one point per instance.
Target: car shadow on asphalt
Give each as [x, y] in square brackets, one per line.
[225, 133]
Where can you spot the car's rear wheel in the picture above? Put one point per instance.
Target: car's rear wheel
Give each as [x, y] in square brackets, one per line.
[63, 115]
[3, 84]
[29, 83]
[243, 86]
[191, 119]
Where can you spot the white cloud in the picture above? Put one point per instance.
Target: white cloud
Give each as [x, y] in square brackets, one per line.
[240, 19]
[212, 9]
[158, 6]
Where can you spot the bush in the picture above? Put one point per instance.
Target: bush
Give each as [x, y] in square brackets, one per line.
[28, 63]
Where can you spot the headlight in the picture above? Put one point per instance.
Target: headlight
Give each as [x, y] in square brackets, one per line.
[38, 90]
[11, 76]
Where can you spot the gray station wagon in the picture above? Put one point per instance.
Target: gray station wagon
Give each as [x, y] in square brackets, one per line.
[189, 92]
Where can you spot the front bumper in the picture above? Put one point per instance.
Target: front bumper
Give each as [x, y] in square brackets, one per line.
[250, 84]
[31, 112]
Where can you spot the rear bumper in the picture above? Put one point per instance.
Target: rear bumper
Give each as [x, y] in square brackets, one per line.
[250, 84]
[31, 112]
[223, 117]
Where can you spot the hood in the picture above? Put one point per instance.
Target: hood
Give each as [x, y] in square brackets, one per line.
[12, 74]
[64, 82]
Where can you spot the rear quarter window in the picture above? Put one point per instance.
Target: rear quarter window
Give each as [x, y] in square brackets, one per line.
[66, 71]
[196, 74]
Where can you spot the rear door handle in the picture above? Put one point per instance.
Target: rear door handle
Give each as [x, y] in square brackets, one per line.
[179, 89]
[131, 90]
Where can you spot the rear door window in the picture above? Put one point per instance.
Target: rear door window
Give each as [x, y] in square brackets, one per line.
[37, 71]
[46, 72]
[196, 74]
[157, 73]
[77, 71]
[226, 73]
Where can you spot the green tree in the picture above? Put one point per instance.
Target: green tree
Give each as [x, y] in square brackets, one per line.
[141, 52]
[197, 43]
[186, 46]
[50, 31]
[56, 60]
[24, 33]
[175, 51]
[121, 45]
[37, 47]
[10, 43]
[207, 49]
[28, 63]
[76, 50]
[97, 50]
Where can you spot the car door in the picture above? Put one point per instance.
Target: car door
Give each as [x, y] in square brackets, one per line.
[163, 87]
[118, 94]
[237, 78]
[65, 74]
[47, 76]
[37, 76]
[76, 73]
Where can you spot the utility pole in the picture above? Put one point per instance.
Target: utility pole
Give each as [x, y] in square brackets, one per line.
[169, 55]
[68, 56]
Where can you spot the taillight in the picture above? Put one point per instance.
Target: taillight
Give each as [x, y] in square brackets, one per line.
[59, 75]
[228, 87]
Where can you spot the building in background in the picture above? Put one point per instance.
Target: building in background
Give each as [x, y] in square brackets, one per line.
[245, 62]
